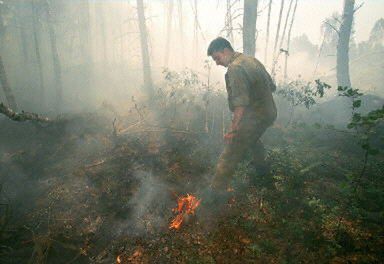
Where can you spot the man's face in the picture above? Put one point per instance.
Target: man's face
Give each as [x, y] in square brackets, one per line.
[221, 57]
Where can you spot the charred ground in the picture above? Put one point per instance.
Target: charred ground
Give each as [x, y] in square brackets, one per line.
[100, 187]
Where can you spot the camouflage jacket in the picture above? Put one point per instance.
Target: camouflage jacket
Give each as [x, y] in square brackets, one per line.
[249, 85]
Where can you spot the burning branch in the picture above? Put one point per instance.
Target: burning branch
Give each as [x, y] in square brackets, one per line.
[185, 206]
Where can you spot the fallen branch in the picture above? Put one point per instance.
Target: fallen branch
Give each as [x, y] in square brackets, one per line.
[124, 130]
[96, 163]
[162, 130]
[23, 116]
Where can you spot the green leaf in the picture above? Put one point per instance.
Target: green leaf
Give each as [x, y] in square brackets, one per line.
[351, 125]
[373, 152]
[366, 146]
[357, 103]
[317, 125]
[356, 117]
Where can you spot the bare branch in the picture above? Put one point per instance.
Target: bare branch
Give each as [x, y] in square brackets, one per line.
[331, 26]
[23, 116]
[357, 8]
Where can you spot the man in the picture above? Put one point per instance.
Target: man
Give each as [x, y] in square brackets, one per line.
[249, 88]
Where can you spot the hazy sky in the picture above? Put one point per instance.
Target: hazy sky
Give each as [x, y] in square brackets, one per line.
[309, 16]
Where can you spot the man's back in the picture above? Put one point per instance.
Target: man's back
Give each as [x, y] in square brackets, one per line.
[247, 77]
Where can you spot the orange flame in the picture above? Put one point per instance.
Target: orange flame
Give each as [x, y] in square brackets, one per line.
[185, 205]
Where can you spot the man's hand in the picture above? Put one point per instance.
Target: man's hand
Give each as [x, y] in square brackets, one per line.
[237, 116]
[228, 138]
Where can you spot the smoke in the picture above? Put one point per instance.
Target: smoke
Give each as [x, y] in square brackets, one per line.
[150, 206]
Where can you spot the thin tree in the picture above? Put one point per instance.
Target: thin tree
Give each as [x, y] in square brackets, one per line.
[6, 87]
[85, 37]
[101, 18]
[289, 40]
[169, 31]
[229, 22]
[342, 65]
[121, 37]
[267, 34]
[148, 86]
[285, 24]
[195, 30]
[180, 13]
[278, 30]
[377, 33]
[9, 96]
[35, 22]
[23, 37]
[249, 27]
[55, 57]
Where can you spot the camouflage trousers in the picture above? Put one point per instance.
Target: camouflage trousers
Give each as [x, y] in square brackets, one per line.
[247, 142]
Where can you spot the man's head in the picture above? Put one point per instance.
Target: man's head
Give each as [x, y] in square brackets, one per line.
[221, 51]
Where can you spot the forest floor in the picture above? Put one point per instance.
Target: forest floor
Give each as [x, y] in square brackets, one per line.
[82, 191]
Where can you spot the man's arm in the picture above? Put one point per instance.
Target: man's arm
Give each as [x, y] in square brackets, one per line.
[237, 116]
[239, 99]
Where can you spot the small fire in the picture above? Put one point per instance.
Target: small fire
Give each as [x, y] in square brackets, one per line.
[186, 205]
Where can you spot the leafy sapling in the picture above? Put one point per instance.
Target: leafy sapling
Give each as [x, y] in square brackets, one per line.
[365, 126]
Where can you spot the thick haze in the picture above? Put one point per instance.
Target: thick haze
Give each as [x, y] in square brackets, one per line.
[101, 176]
[115, 51]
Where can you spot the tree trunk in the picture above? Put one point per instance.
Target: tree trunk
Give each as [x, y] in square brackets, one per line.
[278, 31]
[37, 52]
[288, 41]
[86, 43]
[101, 17]
[249, 27]
[285, 24]
[148, 86]
[195, 30]
[3, 76]
[85, 33]
[23, 40]
[342, 66]
[56, 59]
[2, 26]
[275, 57]
[229, 23]
[180, 11]
[267, 34]
[121, 44]
[6, 88]
[169, 32]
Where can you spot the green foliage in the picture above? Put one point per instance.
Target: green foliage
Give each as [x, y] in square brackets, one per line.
[364, 125]
[186, 101]
[303, 93]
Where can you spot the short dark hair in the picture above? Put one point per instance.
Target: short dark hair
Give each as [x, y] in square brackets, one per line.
[218, 44]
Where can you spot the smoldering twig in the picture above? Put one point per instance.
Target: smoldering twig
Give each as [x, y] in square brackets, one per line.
[96, 163]
[122, 131]
[165, 129]
[114, 133]
[139, 112]
[23, 116]
[156, 129]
